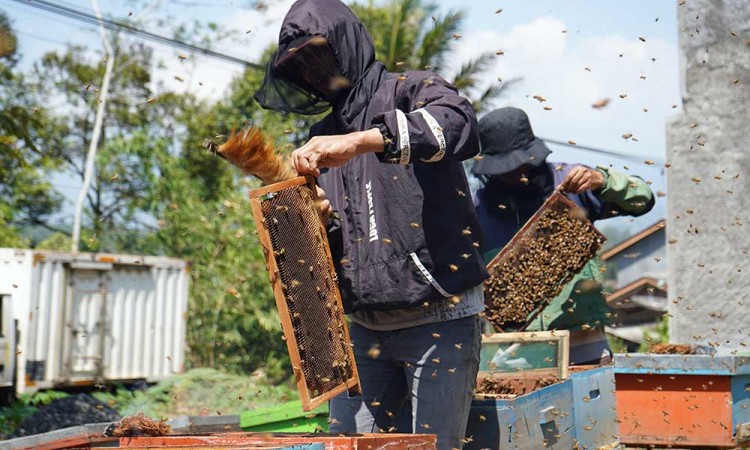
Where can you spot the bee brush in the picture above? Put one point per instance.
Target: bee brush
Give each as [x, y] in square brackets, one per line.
[254, 154]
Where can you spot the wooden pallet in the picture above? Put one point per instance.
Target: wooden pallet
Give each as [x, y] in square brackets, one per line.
[304, 282]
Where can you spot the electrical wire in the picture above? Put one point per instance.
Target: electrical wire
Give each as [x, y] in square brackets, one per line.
[600, 151]
[90, 19]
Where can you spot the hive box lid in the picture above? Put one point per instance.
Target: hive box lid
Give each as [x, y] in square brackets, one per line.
[682, 364]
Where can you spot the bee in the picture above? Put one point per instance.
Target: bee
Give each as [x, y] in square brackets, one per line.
[642, 39]
[540, 98]
[572, 142]
[623, 96]
[600, 103]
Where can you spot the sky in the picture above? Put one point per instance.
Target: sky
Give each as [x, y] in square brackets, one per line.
[572, 53]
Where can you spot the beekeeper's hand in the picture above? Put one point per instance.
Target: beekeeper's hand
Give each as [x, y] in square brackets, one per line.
[582, 179]
[335, 151]
[323, 205]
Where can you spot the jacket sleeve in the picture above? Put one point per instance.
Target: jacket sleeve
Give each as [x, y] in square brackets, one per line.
[432, 123]
[625, 194]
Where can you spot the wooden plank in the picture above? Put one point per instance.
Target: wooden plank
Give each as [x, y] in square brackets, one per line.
[525, 336]
[330, 441]
[298, 181]
[83, 436]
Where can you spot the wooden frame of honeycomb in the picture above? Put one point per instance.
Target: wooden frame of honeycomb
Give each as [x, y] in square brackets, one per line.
[548, 251]
[301, 271]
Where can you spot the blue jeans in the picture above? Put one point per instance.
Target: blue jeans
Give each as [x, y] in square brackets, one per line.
[418, 379]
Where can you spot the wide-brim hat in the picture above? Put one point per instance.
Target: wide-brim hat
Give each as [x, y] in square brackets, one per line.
[508, 143]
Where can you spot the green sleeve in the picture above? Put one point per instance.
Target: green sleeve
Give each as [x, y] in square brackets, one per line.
[629, 193]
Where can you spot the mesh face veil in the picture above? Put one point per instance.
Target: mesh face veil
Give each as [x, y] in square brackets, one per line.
[305, 79]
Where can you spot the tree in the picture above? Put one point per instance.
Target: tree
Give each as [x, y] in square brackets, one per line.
[26, 197]
[411, 34]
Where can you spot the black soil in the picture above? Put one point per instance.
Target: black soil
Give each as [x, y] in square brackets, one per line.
[66, 412]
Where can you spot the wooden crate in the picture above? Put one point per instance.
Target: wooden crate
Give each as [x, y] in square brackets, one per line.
[560, 339]
[304, 282]
[686, 401]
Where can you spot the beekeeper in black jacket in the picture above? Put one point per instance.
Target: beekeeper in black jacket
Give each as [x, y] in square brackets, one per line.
[405, 235]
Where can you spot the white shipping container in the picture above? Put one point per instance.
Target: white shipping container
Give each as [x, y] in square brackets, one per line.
[88, 317]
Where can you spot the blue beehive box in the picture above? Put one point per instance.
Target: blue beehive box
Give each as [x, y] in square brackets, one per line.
[538, 420]
[594, 407]
[576, 413]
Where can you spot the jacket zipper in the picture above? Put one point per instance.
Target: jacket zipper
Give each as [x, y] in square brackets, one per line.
[356, 234]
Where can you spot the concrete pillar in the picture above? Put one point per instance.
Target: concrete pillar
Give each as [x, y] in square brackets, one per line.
[708, 182]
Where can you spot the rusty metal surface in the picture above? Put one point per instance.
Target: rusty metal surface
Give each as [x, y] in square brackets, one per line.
[83, 436]
[329, 441]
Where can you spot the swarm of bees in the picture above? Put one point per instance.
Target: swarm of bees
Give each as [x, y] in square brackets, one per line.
[543, 257]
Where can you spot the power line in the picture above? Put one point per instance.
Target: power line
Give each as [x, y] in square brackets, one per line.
[599, 150]
[90, 19]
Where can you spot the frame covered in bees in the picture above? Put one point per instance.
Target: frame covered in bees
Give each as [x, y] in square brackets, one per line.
[304, 283]
[553, 246]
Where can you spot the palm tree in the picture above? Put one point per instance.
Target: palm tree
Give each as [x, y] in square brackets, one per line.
[411, 34]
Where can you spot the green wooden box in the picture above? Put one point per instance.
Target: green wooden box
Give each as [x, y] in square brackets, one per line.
[287, 417]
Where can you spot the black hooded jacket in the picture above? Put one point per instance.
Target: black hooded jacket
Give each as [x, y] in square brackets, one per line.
[408, 231]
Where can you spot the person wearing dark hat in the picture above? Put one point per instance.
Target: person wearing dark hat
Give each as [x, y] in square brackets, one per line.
[405, 236]
[516, 179]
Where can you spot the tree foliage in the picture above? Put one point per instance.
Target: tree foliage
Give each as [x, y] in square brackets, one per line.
[26, 196]
[414, 35]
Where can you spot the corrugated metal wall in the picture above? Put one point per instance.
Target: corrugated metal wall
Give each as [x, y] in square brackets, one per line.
[85, 315]
[145, 314]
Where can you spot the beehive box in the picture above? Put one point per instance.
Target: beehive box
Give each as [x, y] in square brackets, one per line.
[536, 420]
[575, 413]
[385, 441]
[525, 400]
[304, 283]
[594, 407]
[535, 265]
[696, 401]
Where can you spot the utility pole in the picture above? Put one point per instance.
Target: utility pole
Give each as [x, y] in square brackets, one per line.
[91, 157]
